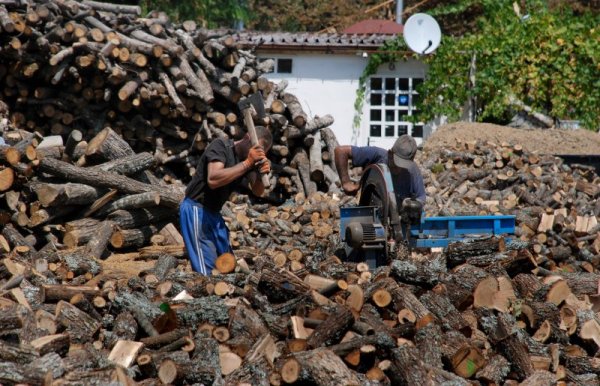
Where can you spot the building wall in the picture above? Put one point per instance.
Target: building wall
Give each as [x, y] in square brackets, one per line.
[327, 84]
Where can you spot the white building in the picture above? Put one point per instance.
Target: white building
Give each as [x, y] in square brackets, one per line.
[323, 71]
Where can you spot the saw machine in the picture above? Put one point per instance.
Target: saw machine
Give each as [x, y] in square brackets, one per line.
[382, 222]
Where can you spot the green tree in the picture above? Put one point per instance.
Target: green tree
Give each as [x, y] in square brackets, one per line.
[209, 13]
[546, 55]
[549, 58]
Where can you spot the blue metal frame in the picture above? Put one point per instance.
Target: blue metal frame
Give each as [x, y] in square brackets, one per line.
[441, 231]
[433, 231]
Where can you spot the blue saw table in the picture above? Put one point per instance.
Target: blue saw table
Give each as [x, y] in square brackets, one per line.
[441, 231]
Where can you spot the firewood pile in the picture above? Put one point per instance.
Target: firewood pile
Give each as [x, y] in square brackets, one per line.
[71, 69]
[104, 120]
[286, 310]
[556, 205]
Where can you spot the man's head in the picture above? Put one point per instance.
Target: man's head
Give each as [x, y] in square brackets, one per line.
[265, 139]
[402, 154]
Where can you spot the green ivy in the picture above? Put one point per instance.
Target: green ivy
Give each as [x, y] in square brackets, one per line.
[550, 60]
[390, 52]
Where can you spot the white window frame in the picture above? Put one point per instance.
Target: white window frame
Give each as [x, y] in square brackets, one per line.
[386, 110]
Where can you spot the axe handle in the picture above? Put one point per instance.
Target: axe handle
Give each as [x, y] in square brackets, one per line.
[254, 139]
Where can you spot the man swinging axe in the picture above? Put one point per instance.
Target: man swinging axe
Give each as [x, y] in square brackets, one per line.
[223, 166]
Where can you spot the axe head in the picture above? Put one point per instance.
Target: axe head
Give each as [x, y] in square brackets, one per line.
[255, 100]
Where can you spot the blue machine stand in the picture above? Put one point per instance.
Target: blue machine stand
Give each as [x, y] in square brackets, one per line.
[440, 231]
[371, 229]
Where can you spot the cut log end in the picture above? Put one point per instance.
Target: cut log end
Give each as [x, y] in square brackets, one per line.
[290, 371]
[167, 371]
[225, 263]
[382, 298]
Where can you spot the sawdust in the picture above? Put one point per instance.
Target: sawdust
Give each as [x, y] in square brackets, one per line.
[542, 141]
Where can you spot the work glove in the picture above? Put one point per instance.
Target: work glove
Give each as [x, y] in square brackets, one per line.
[255, 154]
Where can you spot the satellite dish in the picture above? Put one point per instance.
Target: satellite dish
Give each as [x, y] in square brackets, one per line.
[422, 33]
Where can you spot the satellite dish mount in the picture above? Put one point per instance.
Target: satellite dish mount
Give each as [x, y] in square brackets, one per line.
[422, 33]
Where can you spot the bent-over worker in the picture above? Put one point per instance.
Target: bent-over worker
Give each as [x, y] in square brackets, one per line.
[408, 180]
[219, 172]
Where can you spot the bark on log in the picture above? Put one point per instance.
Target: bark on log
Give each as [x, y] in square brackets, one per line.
[446, 313]
[421, 273]
[74, 138]
[108, 146]
[298, 115]
[132, 238]
[108, 180]
[331, 143]
[134, 201]
[163, 265]
[318, 123]
[65, 194]
[457, 253]
[320, 367]
[58, 343]
[80, 326]
[15, 238]
[140, 217]
[316, 160]
[300, 162]
[54, 292]
[511, 344]
[128, 165]
[96, 247]
[332, 329]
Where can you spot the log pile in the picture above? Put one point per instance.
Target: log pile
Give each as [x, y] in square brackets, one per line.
[286, 310]
[72, 69]
[556, 205]
[76, 190]
[495, 317]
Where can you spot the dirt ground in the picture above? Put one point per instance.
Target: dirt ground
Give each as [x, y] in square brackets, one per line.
[542, 141]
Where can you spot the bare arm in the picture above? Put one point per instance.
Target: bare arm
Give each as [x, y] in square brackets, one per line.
[341, 156]
[219, 175]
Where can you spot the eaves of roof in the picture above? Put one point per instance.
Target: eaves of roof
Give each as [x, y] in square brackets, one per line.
[310, 41]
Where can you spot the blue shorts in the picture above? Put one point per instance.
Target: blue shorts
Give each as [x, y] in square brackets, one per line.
[205, 235]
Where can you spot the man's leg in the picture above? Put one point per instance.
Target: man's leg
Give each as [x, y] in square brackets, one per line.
[199, 247]
[221, 236]
[216, 237]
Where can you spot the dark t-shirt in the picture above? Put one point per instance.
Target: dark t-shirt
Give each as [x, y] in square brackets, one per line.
[408, 183]
[221, 150]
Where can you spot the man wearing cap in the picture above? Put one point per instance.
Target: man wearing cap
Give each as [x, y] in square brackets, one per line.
[408, 180]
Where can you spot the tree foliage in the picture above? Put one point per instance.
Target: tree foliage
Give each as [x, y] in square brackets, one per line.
[547, 58]
[546, 55]
[209, 13]
[306, 15]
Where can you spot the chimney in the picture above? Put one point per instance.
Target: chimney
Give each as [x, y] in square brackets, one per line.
[399, 7]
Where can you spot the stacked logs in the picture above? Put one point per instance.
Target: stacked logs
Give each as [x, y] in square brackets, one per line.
[556, 205]
[117, 201]
[285, 309]
[483, 312]
[79, 67]
[111, 112]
